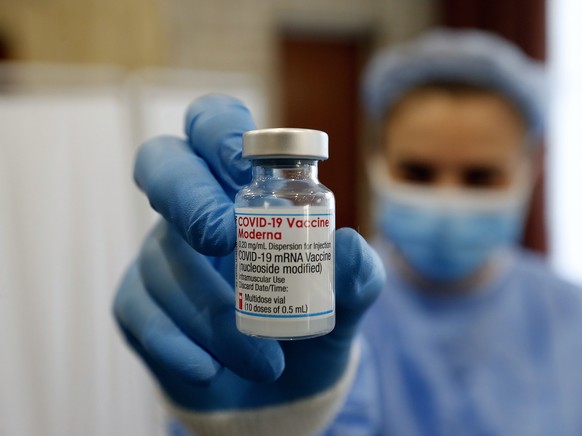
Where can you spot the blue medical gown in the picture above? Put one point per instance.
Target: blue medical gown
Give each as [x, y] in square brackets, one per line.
[505, 359]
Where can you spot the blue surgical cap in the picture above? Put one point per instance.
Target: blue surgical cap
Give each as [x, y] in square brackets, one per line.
[457, 56]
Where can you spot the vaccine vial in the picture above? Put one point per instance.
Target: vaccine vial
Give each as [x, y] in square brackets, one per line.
[285, 224]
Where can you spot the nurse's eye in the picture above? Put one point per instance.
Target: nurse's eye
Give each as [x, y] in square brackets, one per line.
[417, 172]
[482, 177]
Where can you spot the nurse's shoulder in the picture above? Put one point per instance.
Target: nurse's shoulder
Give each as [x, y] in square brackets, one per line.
[534, 277]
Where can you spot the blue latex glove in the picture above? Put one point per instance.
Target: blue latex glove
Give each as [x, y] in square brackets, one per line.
[175, 305]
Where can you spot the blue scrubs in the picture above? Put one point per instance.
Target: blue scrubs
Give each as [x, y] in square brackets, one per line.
[505, 359]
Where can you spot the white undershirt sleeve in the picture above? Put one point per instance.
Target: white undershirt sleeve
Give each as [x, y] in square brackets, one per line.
[308, 416]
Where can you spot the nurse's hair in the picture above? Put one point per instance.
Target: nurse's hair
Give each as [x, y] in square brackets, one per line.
[459, 62]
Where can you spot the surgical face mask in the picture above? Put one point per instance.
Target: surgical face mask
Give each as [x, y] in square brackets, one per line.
[446, 234]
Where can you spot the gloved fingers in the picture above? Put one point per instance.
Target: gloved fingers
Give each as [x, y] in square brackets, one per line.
[214, 126]
[360, 277]
[165, 376]
[201, 303]
[158, 337]
[181, 187]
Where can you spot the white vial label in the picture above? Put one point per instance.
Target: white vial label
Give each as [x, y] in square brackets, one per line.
[284, 265]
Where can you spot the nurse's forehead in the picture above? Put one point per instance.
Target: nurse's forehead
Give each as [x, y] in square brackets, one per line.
[461, 121]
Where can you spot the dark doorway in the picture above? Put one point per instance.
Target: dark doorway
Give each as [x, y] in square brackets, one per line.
[319, 90]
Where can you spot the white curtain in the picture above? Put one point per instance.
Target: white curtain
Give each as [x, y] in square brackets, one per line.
[565, 148]
[70, 222]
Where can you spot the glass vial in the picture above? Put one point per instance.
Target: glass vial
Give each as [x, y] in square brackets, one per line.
[285, 223]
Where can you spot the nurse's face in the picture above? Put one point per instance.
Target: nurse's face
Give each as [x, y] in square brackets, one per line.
[438, 138]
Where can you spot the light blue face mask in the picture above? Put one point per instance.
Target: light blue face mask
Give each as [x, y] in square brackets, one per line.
[447, 234]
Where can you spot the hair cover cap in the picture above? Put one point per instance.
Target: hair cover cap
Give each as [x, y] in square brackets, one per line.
[463, 56]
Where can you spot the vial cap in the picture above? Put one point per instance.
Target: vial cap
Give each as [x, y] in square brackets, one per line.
[285, 143]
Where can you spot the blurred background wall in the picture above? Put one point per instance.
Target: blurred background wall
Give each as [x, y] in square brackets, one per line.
[128, 32]
[304, 53]
[224, 35]
[274, 41]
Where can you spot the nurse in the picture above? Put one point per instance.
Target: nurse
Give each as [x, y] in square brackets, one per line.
[448, 328]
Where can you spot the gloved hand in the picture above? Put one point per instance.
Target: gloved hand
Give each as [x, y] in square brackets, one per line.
[175, 305]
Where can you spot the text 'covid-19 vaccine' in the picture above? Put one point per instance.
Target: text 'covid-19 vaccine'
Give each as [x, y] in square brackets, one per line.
[285, 224]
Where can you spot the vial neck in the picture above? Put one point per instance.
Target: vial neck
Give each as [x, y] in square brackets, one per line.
[285, 169]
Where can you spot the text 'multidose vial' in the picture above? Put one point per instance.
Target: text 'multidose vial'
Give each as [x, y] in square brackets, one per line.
[285, 226]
